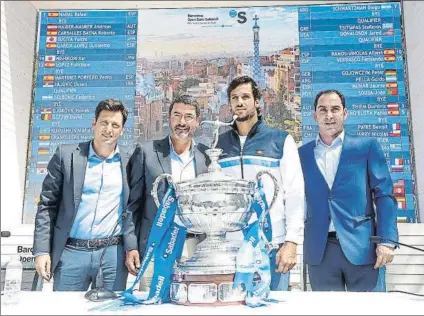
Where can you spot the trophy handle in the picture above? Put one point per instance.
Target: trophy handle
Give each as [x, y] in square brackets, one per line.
[154, 192]
[276, 187]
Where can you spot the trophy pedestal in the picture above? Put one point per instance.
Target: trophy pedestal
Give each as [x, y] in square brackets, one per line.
[205, 290]
[207, 277]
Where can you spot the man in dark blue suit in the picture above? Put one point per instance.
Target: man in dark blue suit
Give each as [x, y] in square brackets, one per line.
[349, 198]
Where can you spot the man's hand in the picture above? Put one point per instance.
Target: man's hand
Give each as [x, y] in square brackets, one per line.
[133, 261]
[43, 266]
[286, 257]
[385, 255]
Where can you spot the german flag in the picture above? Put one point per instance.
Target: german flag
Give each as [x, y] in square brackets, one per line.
[53, 14]
[390, 72]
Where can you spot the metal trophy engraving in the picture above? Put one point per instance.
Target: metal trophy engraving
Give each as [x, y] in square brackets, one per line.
[214, 204]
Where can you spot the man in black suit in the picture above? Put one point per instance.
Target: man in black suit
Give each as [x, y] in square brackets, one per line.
[176, 154]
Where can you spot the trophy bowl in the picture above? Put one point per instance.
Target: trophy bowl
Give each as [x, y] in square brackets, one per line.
[212, 204]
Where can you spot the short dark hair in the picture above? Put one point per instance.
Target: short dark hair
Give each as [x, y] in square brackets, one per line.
[321, 93]
[243, 80]
[113, 105]
[187, 100]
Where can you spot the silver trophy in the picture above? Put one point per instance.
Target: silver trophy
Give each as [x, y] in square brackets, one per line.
[213, 204]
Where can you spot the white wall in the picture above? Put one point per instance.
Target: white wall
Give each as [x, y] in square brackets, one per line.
[414, 29]
[18, 27]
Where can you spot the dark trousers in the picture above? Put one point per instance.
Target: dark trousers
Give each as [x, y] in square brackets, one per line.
[336, 273]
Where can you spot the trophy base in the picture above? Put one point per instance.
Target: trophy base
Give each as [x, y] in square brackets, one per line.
[205, 290]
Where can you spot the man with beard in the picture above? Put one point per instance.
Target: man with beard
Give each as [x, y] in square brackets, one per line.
[176, 154]
[252, 146]
[345, 176]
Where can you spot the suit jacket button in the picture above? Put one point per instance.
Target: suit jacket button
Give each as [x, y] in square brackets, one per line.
[330, 197]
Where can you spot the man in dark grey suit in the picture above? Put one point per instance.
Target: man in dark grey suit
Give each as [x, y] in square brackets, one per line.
[80, 222]
[176, 154]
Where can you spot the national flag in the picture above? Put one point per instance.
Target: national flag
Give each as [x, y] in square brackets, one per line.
[392, 91]
[386, 26]
[389, 32]
[49, 58]
[51, 45]
[48, 84]
[44, 137]
[53, 14]
[44, 144]
[51, 33]
[47, 97]
[391, 78]
[42, 164]
[389, 58]
[389, 51]
[41, 171]
[51, 39]
[395, 130]
[49, 65]
[386, 6]
[46, 114]
[396, 147]
[393, 112]
[398, 161]
[393, 106]
[399, 187]
[402, 219]
[52, 27]
[43, 151]
[401, 202]
[391, 85]
[48, 77]
[390, 72]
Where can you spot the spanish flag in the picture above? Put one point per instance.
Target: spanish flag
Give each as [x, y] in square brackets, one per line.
[389, 58]
[391, 85]
[390, 51]
[48, 77]
[49, 64]
[51, 32]
[53, 14]
[44, 137]
[51, 45]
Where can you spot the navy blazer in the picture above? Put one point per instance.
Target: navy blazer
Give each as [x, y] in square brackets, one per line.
[360, 203]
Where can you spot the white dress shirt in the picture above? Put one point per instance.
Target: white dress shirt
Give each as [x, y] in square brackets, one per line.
[328, 158]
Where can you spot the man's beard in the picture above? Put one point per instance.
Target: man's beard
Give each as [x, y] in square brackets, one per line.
[245, 118]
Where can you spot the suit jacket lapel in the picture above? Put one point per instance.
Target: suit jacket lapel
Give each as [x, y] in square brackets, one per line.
[314, 166]
[79, 164]
[163, 153]
[199, 162]
[124, 162]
